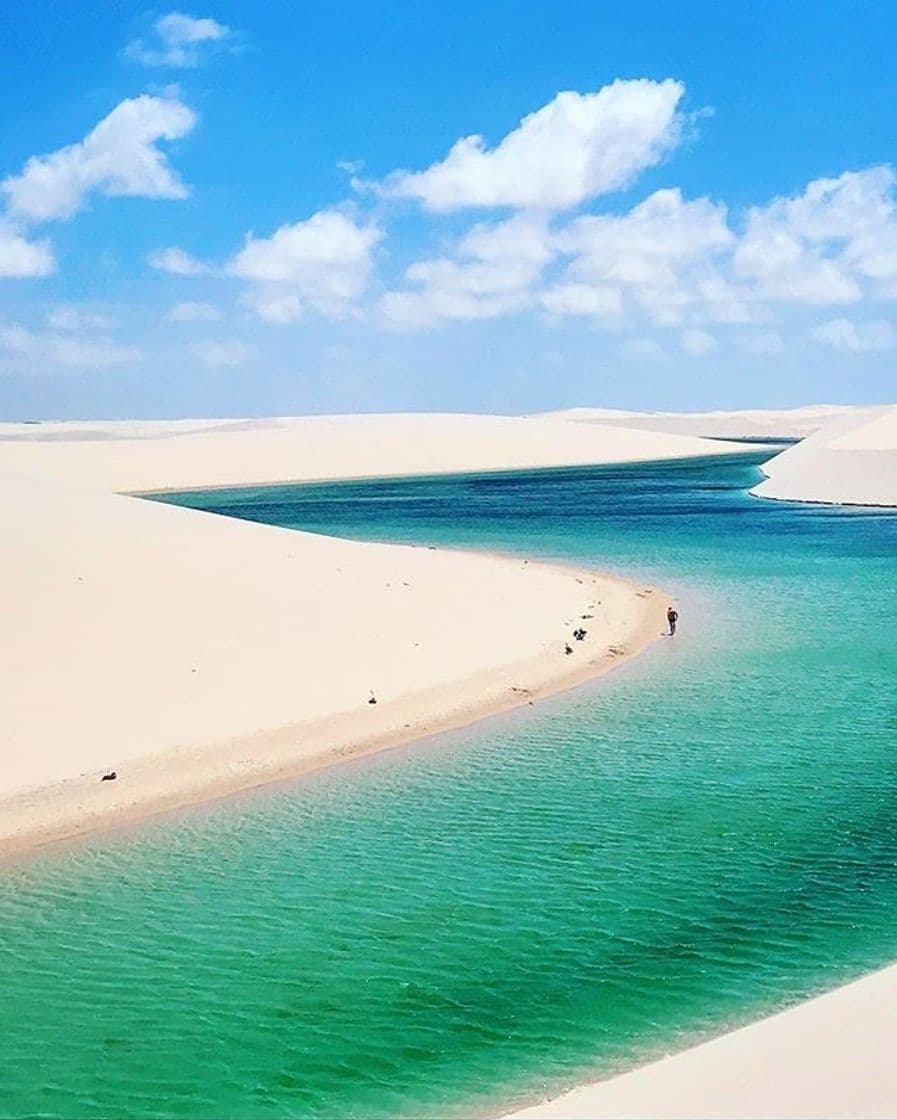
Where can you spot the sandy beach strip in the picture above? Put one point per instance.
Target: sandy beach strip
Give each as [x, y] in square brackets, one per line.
[197, 655]
[832, 1056]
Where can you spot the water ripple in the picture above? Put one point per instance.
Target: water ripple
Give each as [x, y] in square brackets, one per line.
[706, 835]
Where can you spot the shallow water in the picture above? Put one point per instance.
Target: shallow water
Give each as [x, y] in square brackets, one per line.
[707, 834]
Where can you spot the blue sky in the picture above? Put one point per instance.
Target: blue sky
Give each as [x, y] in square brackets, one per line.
[245, 209]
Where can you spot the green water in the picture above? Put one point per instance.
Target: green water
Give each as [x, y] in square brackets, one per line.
[705, 835]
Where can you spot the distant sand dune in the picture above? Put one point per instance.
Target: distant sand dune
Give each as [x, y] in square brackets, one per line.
[132, 456]
[756, 423]
[850, 460]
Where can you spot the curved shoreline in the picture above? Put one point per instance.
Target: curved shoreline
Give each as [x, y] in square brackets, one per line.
[77, 807]
[826, 1056]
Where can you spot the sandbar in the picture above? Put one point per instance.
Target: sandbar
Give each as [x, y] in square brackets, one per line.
[196, 655]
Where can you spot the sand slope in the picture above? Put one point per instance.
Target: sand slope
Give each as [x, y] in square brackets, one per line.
[135, 456]
[830, 1057]
[136, 633]
[850, 460]
[758, 423]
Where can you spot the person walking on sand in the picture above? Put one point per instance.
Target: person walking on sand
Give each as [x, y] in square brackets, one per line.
[672, 619]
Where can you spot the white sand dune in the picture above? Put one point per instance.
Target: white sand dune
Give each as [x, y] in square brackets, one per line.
[755, 424]
[848, 454]
[829, 1057]
[128, 456]
[850, 461]
[195, 654]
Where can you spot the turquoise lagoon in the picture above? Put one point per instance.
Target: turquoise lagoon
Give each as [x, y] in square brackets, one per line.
[703, 836]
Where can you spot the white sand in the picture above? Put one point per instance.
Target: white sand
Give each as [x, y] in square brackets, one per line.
[848, 454]
[758, 423]
[131, 456]
[830, 1057]
[850, 460]
[195, 654]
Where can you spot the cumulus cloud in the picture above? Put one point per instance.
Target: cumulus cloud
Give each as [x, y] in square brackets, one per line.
[193, 312]
[21, 258]
[449, 290]
[62, 349]
[493, 273]
[660, 260]
[583, 299]
[856, 337]
[321, 264]
[675, 262]
[821, 245]
[719, 299]
[119, 157]
[222, 354]
[682, 263]
[177, 262]
[576, 147]
[658, 253]
[176, 41]
[647, 244]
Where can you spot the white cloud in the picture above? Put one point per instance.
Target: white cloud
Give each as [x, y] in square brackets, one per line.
[697, 342]
[719, 300]
[831, 209]
[494, 274]
[20, 257]
[820, 246]
[649, 244]
[177, 38]
[576, 147]
[67, 318]
[660, 260]
[582, 299]
[680, 262]
[322, 264]
[672, 261]
[176, 261]
[53, 349]
[662, 254]
[525, 238]
[845, 334]
[449, 290]
[779, 266]
[222, 354]
[119, 157]
[194, 313]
